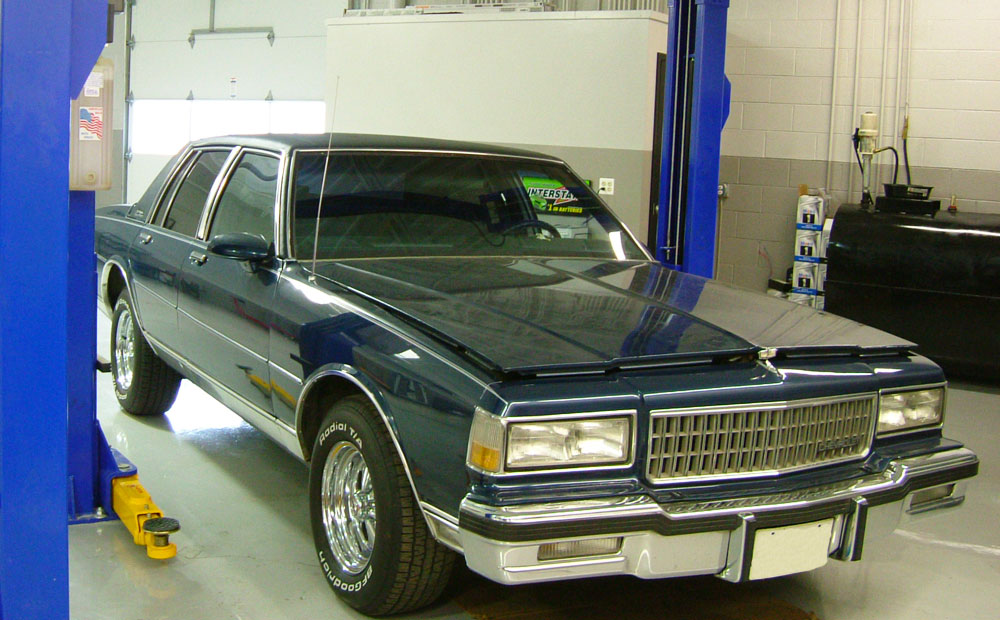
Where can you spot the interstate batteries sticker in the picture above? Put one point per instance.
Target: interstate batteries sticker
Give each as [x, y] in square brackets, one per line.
[551, 196]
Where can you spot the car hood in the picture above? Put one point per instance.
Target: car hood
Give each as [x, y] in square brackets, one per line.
[533, 314]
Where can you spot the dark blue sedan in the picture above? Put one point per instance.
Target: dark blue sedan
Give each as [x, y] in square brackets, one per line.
[477, 358]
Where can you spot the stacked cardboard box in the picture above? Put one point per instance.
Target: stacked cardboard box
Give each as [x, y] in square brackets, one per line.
[812, 235]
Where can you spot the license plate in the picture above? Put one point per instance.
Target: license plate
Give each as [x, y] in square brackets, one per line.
[792, 549]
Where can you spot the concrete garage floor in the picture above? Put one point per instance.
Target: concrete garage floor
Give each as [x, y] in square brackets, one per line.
[245, 550]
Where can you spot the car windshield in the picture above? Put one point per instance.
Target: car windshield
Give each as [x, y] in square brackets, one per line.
[399, 205]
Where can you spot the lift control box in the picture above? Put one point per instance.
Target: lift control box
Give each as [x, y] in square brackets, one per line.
[91, 131]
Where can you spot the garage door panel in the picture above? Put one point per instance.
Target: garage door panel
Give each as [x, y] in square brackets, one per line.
[172, 69]
[165, 21]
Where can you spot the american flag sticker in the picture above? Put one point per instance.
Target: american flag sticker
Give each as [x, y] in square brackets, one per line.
[91, 123]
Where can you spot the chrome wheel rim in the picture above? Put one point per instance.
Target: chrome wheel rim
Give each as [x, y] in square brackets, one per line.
[348, 502]
[124, 351]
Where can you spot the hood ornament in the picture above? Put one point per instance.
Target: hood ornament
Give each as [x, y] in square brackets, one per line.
[768, 353]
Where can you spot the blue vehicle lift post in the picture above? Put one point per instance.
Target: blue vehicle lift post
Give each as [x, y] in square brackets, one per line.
[52, 451]
[696, 105]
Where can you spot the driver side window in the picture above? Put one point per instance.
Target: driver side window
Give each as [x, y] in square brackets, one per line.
[247, 203]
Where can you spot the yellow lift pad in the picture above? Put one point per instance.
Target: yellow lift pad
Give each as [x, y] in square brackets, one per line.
[143, 518]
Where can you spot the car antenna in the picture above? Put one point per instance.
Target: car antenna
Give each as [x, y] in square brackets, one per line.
[322, 186]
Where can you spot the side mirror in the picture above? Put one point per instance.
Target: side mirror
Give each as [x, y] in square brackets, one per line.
[241, 246]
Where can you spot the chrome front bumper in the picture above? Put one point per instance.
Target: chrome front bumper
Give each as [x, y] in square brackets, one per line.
[703, 538]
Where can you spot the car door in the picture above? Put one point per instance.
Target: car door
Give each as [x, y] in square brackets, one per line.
[161, 249]
[225, 304]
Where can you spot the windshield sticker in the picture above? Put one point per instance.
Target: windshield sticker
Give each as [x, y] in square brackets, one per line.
[551, 196]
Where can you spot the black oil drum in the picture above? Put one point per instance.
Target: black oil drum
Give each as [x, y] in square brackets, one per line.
[934, 280]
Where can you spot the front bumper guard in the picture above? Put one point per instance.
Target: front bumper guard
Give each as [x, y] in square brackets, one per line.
[699, 538]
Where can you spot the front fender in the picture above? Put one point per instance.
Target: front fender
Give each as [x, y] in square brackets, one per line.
[358, 381]
[364, 384]
[427, 407]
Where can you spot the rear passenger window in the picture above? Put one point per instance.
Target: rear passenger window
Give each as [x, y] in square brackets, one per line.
[247, 203]
[185, 210]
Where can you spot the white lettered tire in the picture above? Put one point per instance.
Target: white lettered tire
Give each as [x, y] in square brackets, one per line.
[371, 539]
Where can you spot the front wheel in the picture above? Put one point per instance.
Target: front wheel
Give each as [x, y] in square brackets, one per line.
[371, 538]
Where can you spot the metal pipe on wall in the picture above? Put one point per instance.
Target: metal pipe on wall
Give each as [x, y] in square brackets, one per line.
[857, 79]
[833, 99]
[909, 57]
[899, 74]
[881, 89]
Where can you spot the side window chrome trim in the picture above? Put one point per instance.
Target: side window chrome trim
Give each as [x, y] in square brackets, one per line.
[228, 170]
[280, 225]
[170, 185]
[213, 194]
[288, 214]
[167, 203]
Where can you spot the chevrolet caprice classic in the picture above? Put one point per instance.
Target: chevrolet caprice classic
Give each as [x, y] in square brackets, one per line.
[476, 358]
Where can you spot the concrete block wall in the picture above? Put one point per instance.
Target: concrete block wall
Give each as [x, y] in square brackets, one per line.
[780, 56]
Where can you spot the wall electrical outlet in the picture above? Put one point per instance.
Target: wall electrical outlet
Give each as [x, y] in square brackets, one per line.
[606, 187]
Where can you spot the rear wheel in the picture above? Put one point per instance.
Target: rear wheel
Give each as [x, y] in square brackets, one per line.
[371, 538]
[144, 385]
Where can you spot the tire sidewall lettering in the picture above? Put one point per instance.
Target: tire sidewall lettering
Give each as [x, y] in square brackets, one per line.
[337, 582]
[341, 427]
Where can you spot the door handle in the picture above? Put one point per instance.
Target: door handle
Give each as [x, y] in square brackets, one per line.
[145, 238]
[197, 258]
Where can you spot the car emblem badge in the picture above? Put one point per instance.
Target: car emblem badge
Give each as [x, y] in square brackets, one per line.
[837, 444]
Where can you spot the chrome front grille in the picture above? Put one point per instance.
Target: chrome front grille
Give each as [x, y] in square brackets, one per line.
[734, 441]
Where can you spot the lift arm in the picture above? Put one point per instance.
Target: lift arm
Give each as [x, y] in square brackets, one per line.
[143, 518]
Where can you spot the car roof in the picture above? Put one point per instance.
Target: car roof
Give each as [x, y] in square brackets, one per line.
[292, 142]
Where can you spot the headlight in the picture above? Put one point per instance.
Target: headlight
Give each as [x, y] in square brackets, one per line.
[906, 410]
[548, 444]
[603, 441]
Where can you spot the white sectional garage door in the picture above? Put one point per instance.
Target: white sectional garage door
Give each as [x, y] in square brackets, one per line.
[228, 82]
